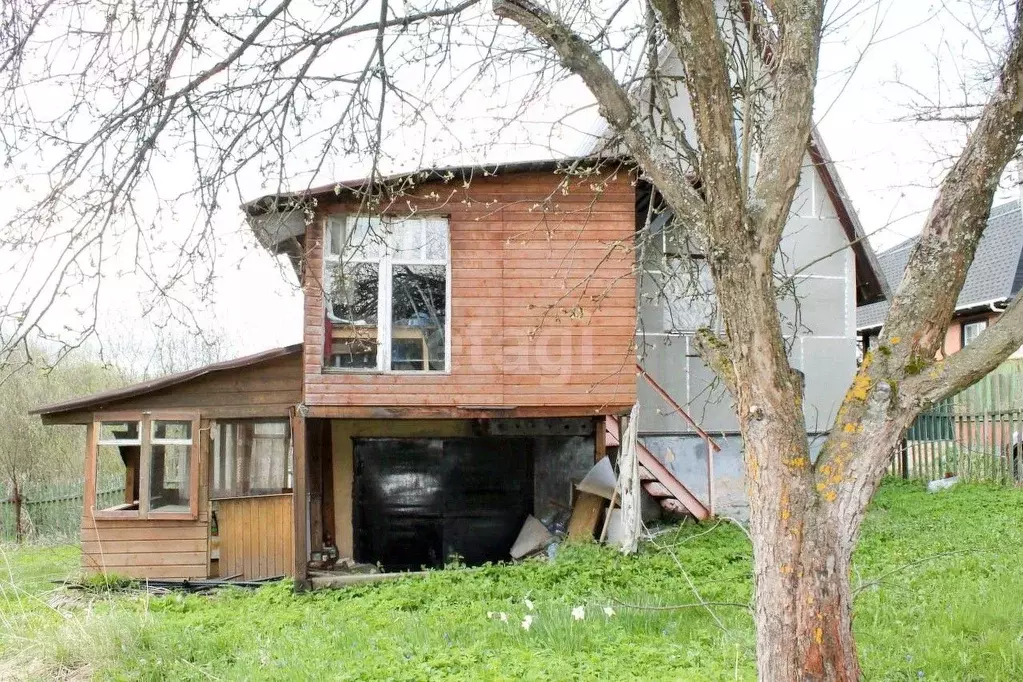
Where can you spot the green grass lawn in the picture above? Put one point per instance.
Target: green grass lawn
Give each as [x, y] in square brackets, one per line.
[941, 598]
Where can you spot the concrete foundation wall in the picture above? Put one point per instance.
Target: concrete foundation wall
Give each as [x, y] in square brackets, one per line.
[686, 457]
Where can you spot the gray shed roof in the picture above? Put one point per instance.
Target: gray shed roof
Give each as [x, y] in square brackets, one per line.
[995, 274]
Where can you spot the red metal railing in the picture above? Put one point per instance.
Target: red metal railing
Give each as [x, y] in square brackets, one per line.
[712, 447]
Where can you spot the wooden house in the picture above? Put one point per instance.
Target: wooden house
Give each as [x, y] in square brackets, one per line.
[470, 338]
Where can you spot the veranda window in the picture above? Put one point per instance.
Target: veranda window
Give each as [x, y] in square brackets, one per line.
[387, 292]
[251, 458]
[144, 466]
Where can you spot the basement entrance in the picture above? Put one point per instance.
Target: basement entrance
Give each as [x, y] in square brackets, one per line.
[423, 501]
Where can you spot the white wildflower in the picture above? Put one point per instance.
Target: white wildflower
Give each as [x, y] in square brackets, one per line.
[608, 611]
[579, 612]
[503, 616]
[527, 621]
[528, 603]
[490, 614]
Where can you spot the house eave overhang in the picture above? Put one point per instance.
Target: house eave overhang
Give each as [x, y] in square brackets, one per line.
[961, 311]
[278, 221]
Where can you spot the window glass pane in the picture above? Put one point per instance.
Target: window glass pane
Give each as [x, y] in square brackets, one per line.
[251, 458]
[436, 237]
[336, 237]
[405, 240]
[169, 477]
[172, 430]
[365, 238]
[972, 330]
[116, 431]
[352, 316]
[418, 311]
[117, 477]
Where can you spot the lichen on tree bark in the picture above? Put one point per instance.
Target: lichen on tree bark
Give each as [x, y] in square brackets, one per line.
[805, 516]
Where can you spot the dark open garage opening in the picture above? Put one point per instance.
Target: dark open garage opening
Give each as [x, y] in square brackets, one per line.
[422, 502]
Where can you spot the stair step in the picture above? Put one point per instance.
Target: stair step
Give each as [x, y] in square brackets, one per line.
[657, 490]
[673, 505]
[680, 499]
[645, 475]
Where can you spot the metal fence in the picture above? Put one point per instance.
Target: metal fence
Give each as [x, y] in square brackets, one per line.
[54, 510]
[977, 434]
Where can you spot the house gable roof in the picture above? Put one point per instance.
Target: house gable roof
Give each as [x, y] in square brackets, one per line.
[278, 223]
[995, 275]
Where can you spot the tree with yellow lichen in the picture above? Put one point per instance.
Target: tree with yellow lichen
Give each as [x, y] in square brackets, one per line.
[805, 517]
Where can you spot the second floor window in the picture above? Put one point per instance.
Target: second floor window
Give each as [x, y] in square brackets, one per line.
[387, 299]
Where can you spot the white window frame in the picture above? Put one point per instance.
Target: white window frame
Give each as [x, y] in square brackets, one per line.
[385, 268]
[982, 323]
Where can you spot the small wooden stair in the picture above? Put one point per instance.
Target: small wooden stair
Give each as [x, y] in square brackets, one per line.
[658, 481]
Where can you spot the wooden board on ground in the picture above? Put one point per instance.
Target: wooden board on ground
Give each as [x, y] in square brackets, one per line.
[585, 516]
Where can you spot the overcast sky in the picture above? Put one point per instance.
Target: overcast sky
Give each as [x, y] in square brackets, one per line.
[889, 164]
[880, 58]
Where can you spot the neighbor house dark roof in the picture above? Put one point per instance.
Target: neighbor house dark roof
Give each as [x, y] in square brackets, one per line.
[135, 390]
[994, 276]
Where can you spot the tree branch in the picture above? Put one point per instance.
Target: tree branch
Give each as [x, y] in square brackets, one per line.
[615, 105]
[900, 377]
[693, 30]
[938, 265]
[715, 352]
[790, 116]
[966, 366]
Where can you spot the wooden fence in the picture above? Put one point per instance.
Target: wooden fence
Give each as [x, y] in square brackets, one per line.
[54, 510]
[977, 434]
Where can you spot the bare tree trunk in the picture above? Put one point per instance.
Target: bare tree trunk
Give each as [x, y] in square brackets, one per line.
[16, 499]
[803, 605]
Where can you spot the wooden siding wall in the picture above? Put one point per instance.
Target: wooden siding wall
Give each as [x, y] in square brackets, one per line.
[256, 537]
[145, 549]
[543, 299]
[268, 389]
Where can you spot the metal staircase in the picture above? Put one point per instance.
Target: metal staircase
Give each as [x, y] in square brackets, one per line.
[655, 478]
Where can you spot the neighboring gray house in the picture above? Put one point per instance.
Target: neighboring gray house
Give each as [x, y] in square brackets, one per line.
[995, 276]
[832, 270]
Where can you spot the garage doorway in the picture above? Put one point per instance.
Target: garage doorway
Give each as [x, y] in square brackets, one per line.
[419, 502]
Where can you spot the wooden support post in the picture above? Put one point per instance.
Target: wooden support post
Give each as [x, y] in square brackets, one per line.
[904, 452]
[300, 497]
[89, 501]
[712, 449]
[599, 439]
